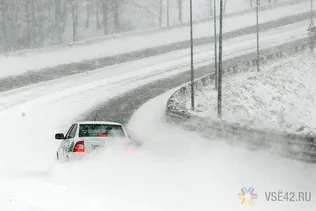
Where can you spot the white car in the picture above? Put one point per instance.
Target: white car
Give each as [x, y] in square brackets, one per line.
[86, 137]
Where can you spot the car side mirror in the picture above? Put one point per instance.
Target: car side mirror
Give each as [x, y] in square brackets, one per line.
[59, 136]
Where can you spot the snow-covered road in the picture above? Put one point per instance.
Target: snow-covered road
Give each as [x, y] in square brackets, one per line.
[144, 180]
[154, 67]
[175, 170]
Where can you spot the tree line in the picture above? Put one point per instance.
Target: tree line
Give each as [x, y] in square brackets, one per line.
[28, 24]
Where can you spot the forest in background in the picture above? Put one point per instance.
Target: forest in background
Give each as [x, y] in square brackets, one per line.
[29, 24]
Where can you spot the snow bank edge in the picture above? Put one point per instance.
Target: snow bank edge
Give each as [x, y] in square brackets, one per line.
[298, 145]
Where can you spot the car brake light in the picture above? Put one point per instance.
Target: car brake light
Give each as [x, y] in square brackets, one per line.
[79, 147]
[102, 135]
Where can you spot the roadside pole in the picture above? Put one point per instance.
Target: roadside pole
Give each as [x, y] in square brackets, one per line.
[192, 65]
[215, 47]
[258, 47]
[219, 90]
[312, 29]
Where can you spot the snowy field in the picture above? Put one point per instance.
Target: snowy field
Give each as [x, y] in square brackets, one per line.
[36, 60]
[280, 96]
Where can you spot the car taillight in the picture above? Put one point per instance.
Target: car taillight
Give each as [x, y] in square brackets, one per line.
[79, 147]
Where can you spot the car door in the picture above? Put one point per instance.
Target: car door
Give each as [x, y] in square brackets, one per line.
[62, 151]
[70, 139]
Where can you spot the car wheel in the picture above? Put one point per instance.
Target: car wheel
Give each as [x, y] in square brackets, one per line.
[57, 156]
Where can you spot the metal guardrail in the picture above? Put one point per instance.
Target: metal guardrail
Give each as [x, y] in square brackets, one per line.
[300, 146]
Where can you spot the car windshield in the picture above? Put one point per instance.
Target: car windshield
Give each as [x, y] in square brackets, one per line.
[101, 130]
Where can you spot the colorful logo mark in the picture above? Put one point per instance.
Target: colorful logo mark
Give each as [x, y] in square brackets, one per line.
[247, 196]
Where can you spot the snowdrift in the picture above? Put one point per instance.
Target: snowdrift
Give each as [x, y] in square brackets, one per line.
[241, 112]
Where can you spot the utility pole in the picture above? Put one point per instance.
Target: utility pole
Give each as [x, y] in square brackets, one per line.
[215, 47]
[192, 65]
[219, 90]
[258, 52]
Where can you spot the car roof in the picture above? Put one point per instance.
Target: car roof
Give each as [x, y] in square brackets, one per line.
[98, 122]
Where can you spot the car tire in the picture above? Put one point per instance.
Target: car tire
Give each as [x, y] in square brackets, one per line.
[57, 156]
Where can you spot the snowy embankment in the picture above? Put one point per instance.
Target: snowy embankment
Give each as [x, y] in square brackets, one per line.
[46, 58]
[281, 96]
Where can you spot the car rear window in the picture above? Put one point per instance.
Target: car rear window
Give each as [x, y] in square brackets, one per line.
[100, 130]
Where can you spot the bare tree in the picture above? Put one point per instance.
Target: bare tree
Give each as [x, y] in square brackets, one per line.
[57, 29]
[168, 13]
[116, 16]
[4, 24]
[180, 11]
[34, 26]
[160, 13]
[105, 16]
[28, 24]
[88, 13]
[211, 8]
[40, 11]
[64, 14]
[74, 20]
[97, 4]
